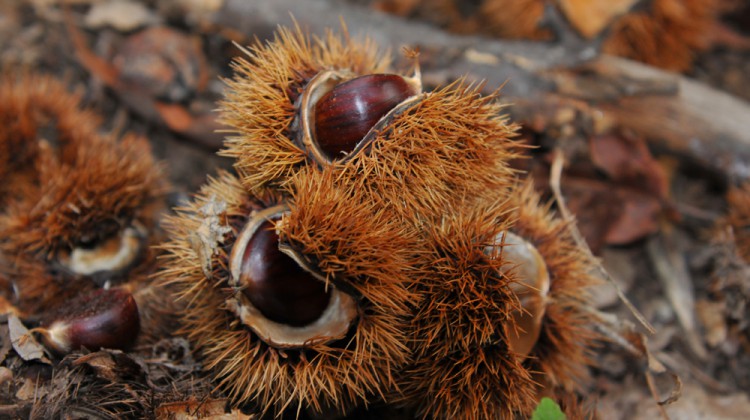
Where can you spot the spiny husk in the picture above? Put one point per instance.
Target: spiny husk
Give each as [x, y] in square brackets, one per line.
[453, 145]
[356, 248]
[738, 218]
[84, 187]
[29, 102]
[260, 99]
[463, 367]
[668, 34]
[502, 18]
[449, 142]
[564, 349]
[353, 240]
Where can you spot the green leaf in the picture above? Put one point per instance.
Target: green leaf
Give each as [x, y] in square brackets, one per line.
[548, 410]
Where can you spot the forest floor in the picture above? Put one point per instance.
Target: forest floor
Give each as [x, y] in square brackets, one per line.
[675, 260]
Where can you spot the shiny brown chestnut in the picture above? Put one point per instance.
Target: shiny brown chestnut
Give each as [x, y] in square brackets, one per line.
[339, 114]
[346, 114]
[275, 284]
[278, 295]
[104, 318]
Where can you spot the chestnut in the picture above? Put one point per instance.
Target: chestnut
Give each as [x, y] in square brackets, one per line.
[275, 284]
[346, 114]
[531, 287]
[278, 294]
[104, 318]
[340, 116]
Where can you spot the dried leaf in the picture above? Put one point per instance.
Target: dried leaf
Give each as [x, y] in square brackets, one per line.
[589, 18]
[639, 217]
[627, 160]
[711, 316]
[5, 374]
[655, 367]
[697, 403]
[112, 365]
[175, 116]
[194, 409]
[611, 214]
[29, 390]
[6, 342]
[162, 63]
[24, 342]
[673, 273]
[7, 308]
[627, 206]
[554, 182]
[175, 75]
[122, 15]
[210, 233]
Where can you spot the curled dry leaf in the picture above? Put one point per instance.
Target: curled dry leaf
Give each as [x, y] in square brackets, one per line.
[23, 341]
[112, 365]
[697, 403]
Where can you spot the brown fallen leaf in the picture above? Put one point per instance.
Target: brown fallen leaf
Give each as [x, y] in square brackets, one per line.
[627, 160]
[147, 85]
[6, 342]
[609, 214]
[112, 365]
[639, 218]
[164, 63]
[711, 316]
[29, 390]
[739, 218]
[591, 17]
[697, 404]
[193, 409]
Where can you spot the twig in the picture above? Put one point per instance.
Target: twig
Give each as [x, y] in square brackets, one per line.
[555, 177]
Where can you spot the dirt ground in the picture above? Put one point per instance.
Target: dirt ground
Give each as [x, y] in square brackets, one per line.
[675, 258]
